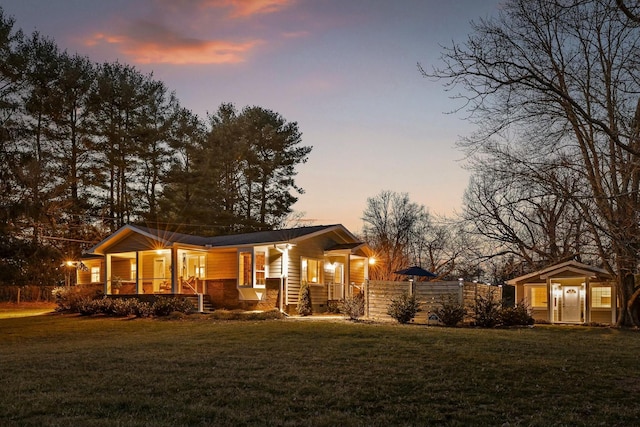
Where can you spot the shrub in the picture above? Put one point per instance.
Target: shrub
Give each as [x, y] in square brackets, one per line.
[486, 310]
[404, 308]
[88, 307]
[122, 307]
[142, 308]
[353, 307]
[304, 307]
[165, 306]
[518, 315]
[451, 312]
[262, 315]
[73, 299]
[334, 307]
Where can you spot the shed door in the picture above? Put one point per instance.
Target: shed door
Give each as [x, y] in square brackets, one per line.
[571, 304]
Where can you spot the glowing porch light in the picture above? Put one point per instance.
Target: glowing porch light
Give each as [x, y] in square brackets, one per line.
[372, 261]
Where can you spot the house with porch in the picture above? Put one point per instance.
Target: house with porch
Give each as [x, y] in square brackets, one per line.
[569, 292]
[252, 270]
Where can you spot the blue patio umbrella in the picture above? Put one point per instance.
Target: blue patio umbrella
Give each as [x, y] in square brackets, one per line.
[416, 271]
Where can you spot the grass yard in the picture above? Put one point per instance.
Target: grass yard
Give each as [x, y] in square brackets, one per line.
[60, 370]
[24, 309]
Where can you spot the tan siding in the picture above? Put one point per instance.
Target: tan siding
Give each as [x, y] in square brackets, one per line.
[222, 265]
[357, 271]
[601, 315]
[84, 277]
[318, 295]
[147, 266]
[275, 258]
[121, 268]
[313, 248]
[541, 314]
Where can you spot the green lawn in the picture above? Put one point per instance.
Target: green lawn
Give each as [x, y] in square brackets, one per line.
[65, 370]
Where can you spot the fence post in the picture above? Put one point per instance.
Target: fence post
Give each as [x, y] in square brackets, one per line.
[366, 298]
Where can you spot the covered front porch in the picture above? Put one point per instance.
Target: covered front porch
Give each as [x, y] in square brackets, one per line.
[152, 272]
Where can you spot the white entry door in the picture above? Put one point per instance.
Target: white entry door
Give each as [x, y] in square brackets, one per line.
[571, 303]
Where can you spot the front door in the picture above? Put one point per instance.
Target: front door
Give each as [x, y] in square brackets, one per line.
[571, 303]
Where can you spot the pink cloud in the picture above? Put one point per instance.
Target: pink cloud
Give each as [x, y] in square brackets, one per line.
[247, 8]
[150, 43]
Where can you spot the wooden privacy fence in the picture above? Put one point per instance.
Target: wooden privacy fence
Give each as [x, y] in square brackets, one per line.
[378, 295]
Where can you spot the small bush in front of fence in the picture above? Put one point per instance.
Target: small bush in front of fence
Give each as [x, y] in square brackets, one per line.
[404, 308]
[486, 310]
[451, 312]
[353, 307]
[518, 315]
[489, 312]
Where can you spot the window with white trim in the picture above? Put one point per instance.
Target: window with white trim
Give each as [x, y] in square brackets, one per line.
[252, 268]
[601, 296]
[95, 274]
[538, 297]
[245, 269]
[310, 270]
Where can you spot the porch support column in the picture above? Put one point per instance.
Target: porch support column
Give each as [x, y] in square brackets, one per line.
[614, 303]
[550, 301]
[138, 282]
[347, 278]
[107, 275]
[174, 270]
[587, 300]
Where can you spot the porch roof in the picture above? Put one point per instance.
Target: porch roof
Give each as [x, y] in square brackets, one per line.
[356, 248]
[566, 269]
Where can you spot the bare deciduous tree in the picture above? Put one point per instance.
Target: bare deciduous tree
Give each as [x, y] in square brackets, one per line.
[562, 75]
[403, 233]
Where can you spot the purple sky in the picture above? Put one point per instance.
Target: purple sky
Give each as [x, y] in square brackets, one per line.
[345, 70]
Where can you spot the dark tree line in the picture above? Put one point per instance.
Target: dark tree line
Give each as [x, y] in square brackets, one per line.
[86, 148]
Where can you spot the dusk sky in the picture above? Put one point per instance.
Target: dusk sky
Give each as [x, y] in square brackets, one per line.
[344, 70]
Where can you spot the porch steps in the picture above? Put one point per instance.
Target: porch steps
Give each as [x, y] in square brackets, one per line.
[207, 307]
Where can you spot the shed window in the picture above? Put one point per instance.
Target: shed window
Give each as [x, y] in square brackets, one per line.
[601, 297]
[539, 297]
